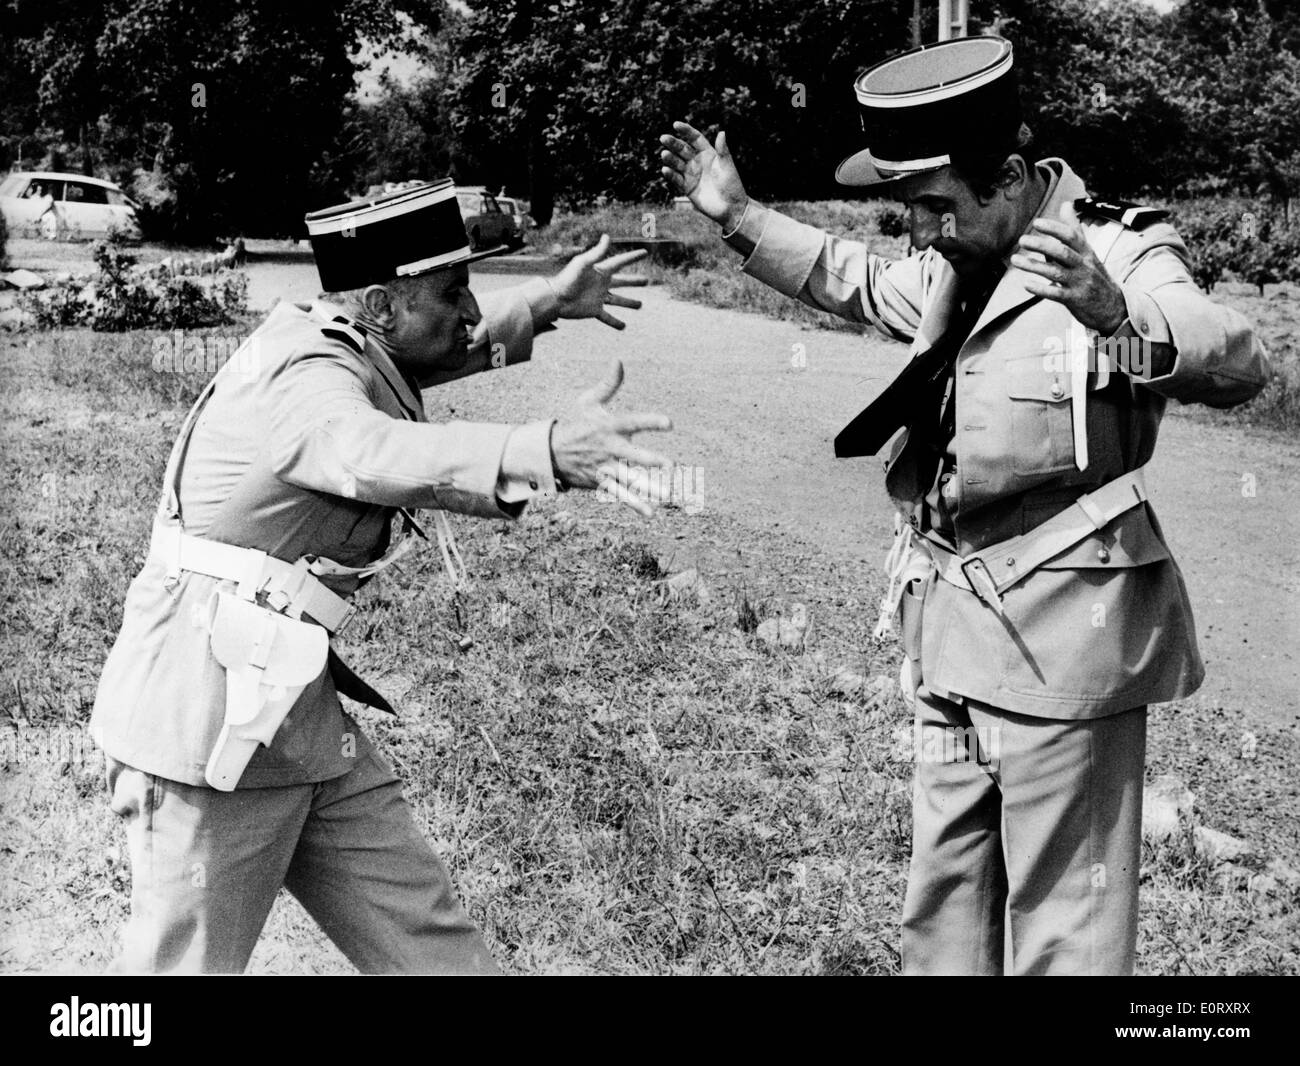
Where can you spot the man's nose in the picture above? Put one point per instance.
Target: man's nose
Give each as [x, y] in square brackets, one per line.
[925, 230]
[469, 309]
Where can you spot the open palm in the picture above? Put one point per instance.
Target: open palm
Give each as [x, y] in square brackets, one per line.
[703, 172]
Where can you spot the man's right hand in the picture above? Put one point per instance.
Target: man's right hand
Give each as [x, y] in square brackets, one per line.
[594, 449]
[705, 173]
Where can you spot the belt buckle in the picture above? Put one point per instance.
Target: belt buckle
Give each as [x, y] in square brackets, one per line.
[346, 620]
[976, 573]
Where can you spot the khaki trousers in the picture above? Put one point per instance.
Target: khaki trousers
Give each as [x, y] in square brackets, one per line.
[206, 867]
[1027, 821]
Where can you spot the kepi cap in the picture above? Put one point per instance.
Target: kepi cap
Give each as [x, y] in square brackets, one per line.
[399, 234]
[921, 107]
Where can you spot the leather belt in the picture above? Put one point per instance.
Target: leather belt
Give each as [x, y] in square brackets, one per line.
[991, 571]
[289, 587]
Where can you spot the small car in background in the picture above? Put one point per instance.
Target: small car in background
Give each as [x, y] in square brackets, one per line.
[485, 222]
[518, 210]
[58, 206]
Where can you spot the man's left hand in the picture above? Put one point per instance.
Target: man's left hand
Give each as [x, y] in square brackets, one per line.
[1071, 272]
[583, 287]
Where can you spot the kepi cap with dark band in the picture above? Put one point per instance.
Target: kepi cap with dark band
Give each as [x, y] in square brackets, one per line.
[921, 107]
[399, 234]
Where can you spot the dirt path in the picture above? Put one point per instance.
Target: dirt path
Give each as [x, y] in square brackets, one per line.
[758, 429]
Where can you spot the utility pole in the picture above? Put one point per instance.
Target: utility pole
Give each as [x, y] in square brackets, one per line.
[953, 18]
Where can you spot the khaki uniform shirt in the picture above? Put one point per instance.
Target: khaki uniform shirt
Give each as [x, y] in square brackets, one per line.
[310, 441]
[1105, 626]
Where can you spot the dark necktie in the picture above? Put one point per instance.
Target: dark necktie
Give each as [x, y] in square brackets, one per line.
[910, 398]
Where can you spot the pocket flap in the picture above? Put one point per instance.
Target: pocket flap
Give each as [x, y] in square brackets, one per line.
[1037, 377]
[290, 652]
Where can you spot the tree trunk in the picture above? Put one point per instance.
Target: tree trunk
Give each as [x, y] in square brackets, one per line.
[541, 178]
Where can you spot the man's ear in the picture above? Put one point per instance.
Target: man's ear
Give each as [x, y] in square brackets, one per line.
[1013, 179]
[379, 305]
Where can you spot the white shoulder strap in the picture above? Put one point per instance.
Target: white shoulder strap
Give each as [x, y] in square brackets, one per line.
[1102, 241]
[1102, 238]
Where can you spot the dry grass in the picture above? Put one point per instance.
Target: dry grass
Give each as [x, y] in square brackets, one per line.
[620, 781]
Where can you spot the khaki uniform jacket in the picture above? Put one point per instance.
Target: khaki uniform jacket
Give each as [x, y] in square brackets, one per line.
[1105, 626]
[309, 442]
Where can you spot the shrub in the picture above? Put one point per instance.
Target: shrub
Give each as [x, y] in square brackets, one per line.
[122, 296]
[1240, 239]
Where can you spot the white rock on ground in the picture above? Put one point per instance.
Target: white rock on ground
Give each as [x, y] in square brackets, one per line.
[685, 584]
[1166, 808]
[845, 682]
[1221, 847]
[785, 632]
[24, 279]
[15, 318]
[1249, 744]
[1284, 873]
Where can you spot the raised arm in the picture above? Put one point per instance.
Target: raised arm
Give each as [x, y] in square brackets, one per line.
[344, 445]
[513, 317]
[825, 272]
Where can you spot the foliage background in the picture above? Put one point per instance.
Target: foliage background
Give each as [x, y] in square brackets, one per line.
[563, 100]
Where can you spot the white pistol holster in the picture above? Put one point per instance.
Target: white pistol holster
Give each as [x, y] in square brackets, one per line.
[269, 659]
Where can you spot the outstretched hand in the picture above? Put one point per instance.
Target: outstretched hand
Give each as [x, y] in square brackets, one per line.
[594, 449]
[583, 286]
[705, 173]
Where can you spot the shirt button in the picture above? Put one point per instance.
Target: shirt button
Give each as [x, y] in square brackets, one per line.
[533, 485]
[1103, 554]
[1011, 561]
[1056, 390]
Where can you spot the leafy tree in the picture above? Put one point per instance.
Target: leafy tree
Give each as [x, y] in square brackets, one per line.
[572, 94]
[1241, 92]
[231, 113]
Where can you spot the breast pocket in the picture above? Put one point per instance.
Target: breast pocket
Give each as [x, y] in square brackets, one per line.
[1042, 436]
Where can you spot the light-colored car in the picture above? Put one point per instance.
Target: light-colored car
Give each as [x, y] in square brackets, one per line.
[485, 222]
[66, 206]
[518, 210]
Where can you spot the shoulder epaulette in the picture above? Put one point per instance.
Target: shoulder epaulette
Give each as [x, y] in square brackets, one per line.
[1134, 216]
[348, 332]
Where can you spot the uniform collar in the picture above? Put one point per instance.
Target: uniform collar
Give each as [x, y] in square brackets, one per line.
[1065, 186]
[408, 394]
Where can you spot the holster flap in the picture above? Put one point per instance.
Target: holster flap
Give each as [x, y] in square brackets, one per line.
[286, 652]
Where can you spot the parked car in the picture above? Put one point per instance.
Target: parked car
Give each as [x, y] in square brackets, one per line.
[485, 222]
[56, 205]
[518, 210]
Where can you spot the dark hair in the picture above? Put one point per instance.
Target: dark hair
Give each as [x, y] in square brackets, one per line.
[983, 170]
